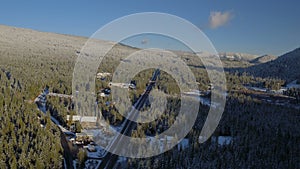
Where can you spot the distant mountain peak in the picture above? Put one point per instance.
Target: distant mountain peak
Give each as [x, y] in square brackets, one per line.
[237, 56]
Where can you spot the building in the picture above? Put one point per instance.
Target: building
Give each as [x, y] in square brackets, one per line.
[84, 138]
[85, 121]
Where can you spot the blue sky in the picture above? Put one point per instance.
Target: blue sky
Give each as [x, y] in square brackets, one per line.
[258, 27]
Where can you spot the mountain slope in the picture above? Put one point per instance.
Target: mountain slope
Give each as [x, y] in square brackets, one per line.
[263, 59]
[285, 67]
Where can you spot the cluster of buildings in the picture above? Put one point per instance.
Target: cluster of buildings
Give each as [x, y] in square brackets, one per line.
[86, 122]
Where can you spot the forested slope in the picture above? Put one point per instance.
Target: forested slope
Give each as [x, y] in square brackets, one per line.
[28, 138]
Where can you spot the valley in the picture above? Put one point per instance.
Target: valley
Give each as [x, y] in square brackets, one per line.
[262, 108]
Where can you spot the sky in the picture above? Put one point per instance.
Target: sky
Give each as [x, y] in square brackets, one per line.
[255, 27]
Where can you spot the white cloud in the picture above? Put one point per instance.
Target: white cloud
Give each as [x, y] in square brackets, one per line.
[217, 19]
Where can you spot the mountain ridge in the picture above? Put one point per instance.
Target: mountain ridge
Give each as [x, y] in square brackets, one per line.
[286, 67]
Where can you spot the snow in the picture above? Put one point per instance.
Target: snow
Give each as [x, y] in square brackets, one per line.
[41, 99]
[293, 84]
[65, 164]
[224, 140]
[183, 144]
[91, 163]
[167, 141]
[74, 164]
[256, 88]
[102, 136]
[104, 95]
[99, 153]
[202, 100]
[122, 159]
